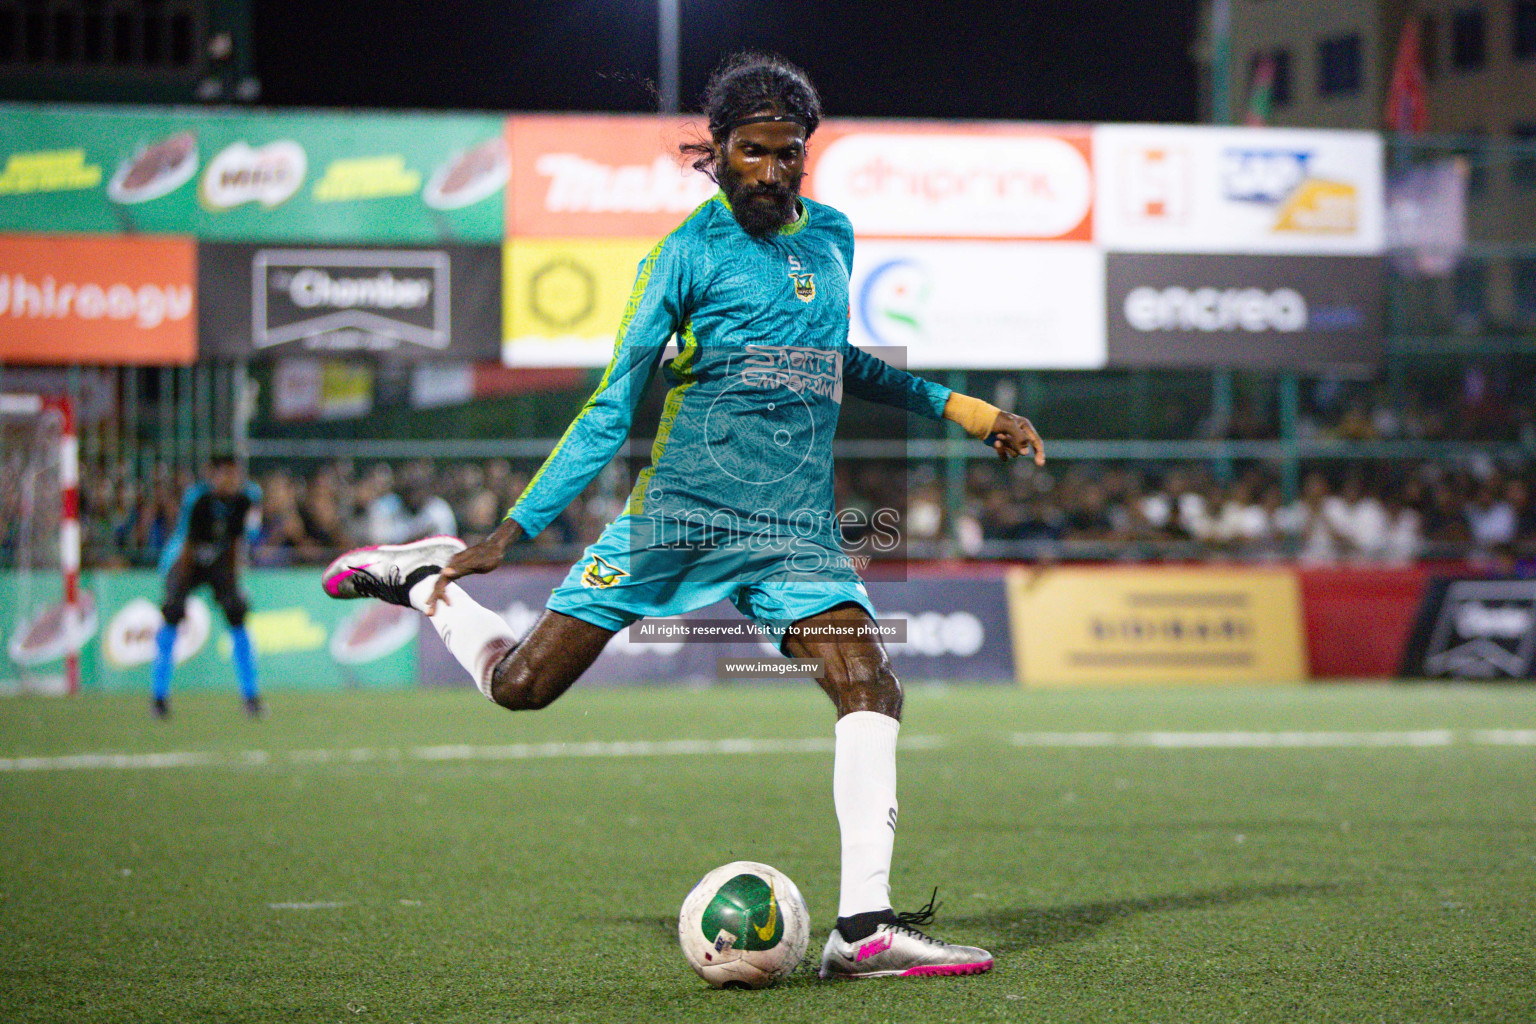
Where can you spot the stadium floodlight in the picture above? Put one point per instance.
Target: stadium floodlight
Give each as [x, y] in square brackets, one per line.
[668, 17]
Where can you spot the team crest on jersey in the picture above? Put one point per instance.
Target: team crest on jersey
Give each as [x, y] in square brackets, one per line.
[600, 575]
[805, 281]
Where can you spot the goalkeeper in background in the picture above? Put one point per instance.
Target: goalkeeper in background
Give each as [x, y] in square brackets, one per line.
[214, 515]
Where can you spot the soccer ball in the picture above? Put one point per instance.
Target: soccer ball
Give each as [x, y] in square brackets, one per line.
[744, 926]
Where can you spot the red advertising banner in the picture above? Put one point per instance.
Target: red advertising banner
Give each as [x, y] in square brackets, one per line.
[97, 300]
[1358, 619]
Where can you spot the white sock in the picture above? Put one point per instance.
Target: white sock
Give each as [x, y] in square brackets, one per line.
[864, 794]
[473, 634]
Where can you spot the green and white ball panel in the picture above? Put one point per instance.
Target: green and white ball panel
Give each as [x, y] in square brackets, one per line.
[745, 924]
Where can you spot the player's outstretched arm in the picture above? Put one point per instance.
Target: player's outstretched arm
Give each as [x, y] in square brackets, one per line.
[480, 558]
[1009, 434]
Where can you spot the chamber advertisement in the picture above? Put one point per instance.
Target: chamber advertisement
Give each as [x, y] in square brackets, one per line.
[409, 303]
[1474, 629]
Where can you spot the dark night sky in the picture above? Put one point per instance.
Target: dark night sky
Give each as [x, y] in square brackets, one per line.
[1029, 59]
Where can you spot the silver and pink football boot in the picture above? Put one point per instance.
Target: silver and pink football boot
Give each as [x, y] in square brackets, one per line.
[389, 571]
[899, 949]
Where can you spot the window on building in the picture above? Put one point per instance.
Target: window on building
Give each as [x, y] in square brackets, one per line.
[1469, 292]
[1525, 287]
[1338, 66]
[1522, 166]
[145, 36]
[1523, 31]
[1469, 39]
[1280, 92]
[1475, 150]
[1429, 45]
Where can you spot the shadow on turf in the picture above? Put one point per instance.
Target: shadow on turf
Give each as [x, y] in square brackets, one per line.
[1029, 927]
[1009, 930]
[661, 927]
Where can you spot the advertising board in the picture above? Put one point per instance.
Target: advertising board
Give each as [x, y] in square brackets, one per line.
[1176, 188]
[248, 176]
[1113, 627]
[1006, 305]
[303, 639]
[418, 302]
[957, 629]
[112, 301]
[936, 179]
[605, 176]
[1474, 629]
[563, 298]
[1196, 310]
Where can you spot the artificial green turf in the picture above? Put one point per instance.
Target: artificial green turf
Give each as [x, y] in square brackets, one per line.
[1113, 884]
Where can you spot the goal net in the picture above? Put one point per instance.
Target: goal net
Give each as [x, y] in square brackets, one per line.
[45, 616]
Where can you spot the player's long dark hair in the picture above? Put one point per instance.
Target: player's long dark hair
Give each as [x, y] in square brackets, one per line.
[748, 83]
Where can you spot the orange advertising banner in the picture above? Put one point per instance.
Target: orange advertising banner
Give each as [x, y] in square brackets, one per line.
[600, 176]
[98, 300]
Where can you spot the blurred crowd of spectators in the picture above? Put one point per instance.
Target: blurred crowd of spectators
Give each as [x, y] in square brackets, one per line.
[1431, 511]
[1477, 406]
[308, 517]
[1344, 510]
[1394, 515]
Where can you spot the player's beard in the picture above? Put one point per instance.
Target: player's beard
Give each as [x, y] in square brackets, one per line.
[761, 210]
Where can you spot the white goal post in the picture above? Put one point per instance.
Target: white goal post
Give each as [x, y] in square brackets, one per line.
[54, 420]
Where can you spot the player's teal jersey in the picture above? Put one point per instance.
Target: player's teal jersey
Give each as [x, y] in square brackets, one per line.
[763, 364]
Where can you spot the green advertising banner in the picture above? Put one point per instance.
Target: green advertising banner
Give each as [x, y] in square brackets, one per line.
[303, 639]
[253, 177]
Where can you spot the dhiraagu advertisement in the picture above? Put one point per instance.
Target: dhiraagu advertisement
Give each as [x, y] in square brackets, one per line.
[245, 176]
[303, 639]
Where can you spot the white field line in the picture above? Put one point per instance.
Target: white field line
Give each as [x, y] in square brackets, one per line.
[1243, 740]
[454, 752]
[1505, 737]
[1276, 740]
[314, 905]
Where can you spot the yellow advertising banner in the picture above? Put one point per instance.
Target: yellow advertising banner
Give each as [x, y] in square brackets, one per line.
[1117, 627]
[563, 298]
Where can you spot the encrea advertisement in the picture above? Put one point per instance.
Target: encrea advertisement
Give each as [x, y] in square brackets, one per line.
[1273, 312]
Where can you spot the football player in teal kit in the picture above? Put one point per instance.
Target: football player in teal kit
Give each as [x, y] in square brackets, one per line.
[737, 500]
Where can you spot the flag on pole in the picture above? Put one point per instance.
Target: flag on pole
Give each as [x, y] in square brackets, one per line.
[1406, 110]
[1221, 61]
[1261, 91]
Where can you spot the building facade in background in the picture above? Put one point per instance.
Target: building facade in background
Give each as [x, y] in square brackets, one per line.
[1330, 63]
[1333, 61]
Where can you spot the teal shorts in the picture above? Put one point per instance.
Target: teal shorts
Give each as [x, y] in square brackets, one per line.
[615, 584]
